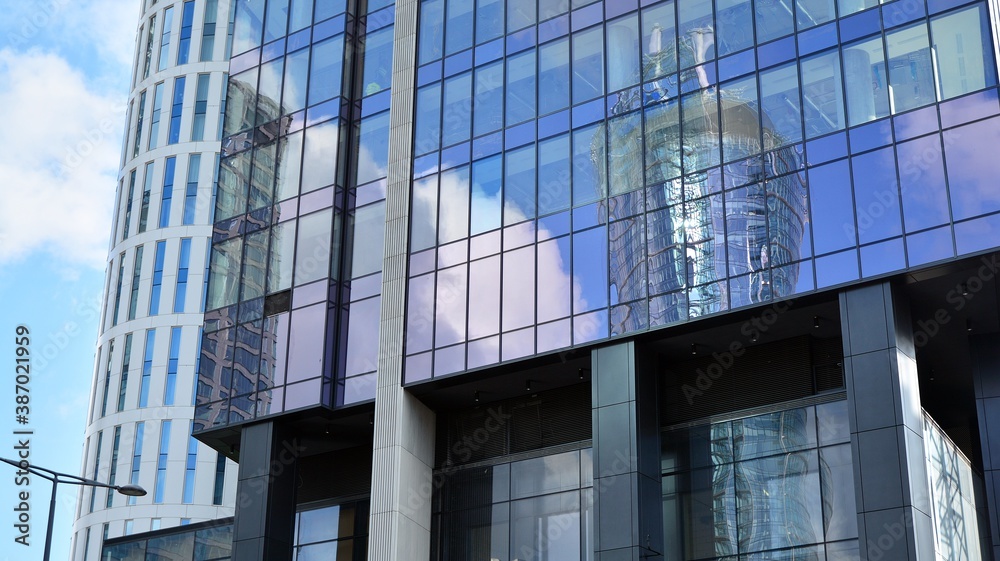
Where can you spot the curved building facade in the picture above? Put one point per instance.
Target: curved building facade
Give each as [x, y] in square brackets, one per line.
[143, 394]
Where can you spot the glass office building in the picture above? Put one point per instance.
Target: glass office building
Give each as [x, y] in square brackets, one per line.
[142, 400]
[599, 280]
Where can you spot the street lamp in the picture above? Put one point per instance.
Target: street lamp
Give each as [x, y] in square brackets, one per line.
[56, 478]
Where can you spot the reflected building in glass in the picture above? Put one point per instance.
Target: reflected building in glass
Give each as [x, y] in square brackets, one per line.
[142, 399]
[574, 280]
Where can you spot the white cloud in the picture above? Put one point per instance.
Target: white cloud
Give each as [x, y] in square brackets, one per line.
[59, 162]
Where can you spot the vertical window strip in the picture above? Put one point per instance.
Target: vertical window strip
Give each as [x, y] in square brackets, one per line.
[174, 358]
[136, 274]
[107, 378]
[140, 432]
[114, 469]
[126, 364]
[189, 467]
[147, 185]
[180, 291]
[174, 134]
[147, 367]
[200, 107]
[128, 204]
[220, 479]
[154, 124]
[118, 288]
[125, 135]
[191, 190]
[197, 369]
[138, 127]
[168, 23]
[161, 462]
[168, 191]
[184, 43]
[97, 467]
[86, 542]
[150, 36]
[154, 291]
[208, 30]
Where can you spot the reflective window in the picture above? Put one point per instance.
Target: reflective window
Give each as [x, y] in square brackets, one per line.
[588, 65]
[553, 76]
[431, 34]
[378, 60]
[963, 63]
[865, 81]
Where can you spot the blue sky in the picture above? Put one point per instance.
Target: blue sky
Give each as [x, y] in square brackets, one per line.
[64, 77]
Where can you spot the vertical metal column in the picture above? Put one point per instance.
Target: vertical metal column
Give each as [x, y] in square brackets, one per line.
[265, 494]
[890, 464]
[628, 501]
[403, 455]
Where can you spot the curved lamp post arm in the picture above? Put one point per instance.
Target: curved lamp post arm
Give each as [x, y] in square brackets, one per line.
[56, 478]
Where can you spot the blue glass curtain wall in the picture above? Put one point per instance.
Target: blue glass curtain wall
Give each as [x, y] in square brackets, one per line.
[295, 272]
[591, 169]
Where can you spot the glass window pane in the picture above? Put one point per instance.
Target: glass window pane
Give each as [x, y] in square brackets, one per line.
[588, 65]
[778, 502]
[700, 131]
[454, 205]
[459, 26]
[814, 12]
[696, 40]
[740, 120]
[423, 219]
[373, 148]
[662, 133]
[553, 175]
[964, 61]
[864, 78]
[518, 281]
[779, 100]
[519, 185]
[223, 286]
[848, 7]
[548, 474]
[248, 25]
[837, 471]
[277, 20]
[296, 73]
[431, 32]
[288, 167]
[774, 19]
[553, 76]
[241, 97]
[830, 190]
[733, 32]
[231, 193]
[590, 270]
[325, 74]
[549, 523]
[319, 166]
[484, 297]
[489, 20]
[456, 108]
[659, 40]
[921, 181]
[378, 60]
[367, 239]
[488, 113]
[876, 195]
[973, 168]
[521, 87]
[520, 13]
[822, 94]
[554, 279]
[588, 176]
[487, 194]
[699, 513]
[624, 147]
[774, 433]
[427, 127]
[279, 274]
[451, 299]
[623, 52]
[312, 259]
[911, 80]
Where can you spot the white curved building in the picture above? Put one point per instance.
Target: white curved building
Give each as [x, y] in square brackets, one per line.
[143, 394]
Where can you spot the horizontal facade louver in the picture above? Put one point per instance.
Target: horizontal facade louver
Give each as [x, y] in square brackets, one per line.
[517, 425]
[762, 375]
